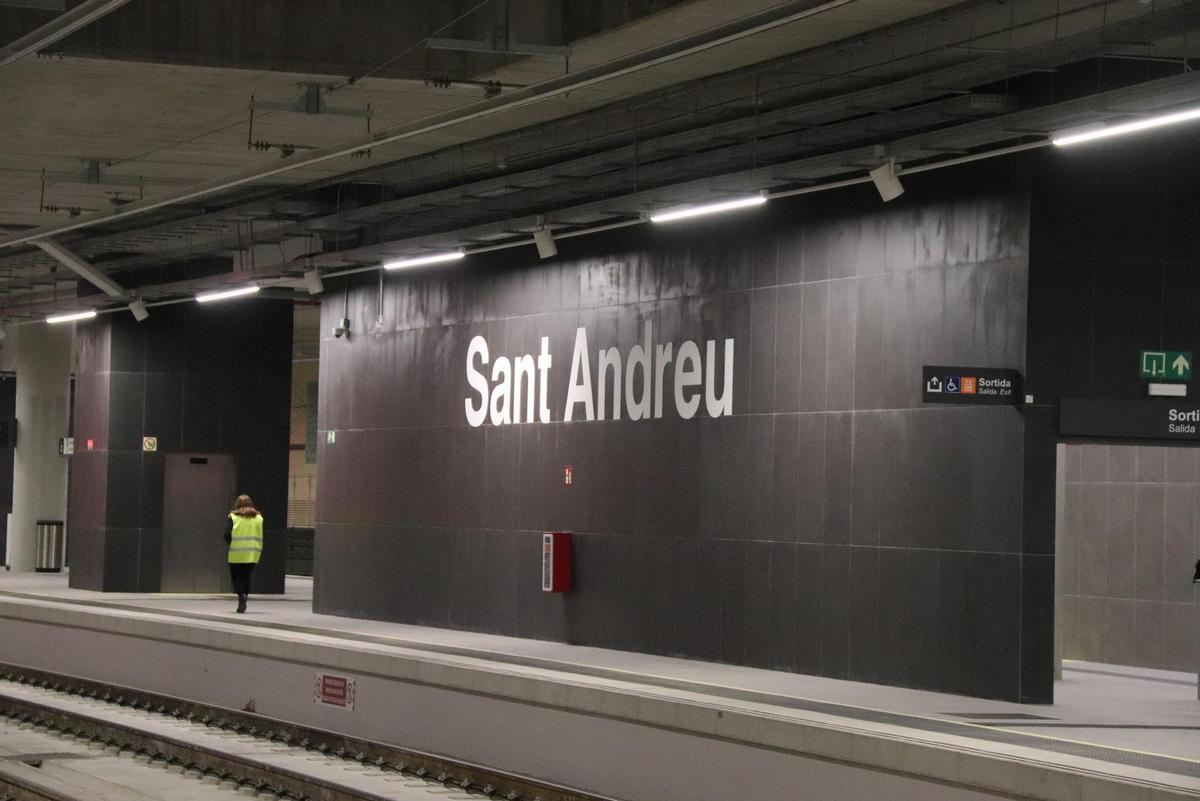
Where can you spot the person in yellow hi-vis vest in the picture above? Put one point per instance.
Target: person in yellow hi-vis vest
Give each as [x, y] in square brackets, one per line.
[244, 533]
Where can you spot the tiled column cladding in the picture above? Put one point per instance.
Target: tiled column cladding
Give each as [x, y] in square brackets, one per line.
[833, 524]
[210, 379]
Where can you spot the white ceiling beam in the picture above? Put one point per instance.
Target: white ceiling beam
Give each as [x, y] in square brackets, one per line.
[82, 268]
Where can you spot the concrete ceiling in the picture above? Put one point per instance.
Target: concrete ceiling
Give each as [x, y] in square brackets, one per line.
[142, 157]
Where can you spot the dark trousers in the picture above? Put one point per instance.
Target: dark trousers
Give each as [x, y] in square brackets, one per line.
[240, 573]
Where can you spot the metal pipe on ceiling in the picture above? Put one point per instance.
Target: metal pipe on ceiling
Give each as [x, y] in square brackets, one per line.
[58, 28]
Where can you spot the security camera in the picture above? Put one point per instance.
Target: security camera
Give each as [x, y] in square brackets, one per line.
[342, 329]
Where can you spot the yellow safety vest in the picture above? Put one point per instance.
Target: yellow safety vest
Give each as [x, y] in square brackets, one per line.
[246, 545]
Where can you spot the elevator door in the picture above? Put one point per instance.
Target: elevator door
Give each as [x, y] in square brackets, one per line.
[198, 492]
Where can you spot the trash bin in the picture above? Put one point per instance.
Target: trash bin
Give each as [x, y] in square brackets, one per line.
[49, 555]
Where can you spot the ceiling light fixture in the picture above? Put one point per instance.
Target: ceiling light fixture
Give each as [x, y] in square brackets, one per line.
[707, 208]
[67, 318]
[208, 297]
[417, 261]
[1074, 136]
[138, 307]
[545, 243]
[886, 182]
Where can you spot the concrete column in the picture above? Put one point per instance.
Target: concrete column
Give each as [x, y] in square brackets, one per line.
[43, 366]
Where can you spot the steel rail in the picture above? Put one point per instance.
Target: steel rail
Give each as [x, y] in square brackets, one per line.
[436, 768]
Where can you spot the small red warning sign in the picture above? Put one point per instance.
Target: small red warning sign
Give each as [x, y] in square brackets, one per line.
[334, 690]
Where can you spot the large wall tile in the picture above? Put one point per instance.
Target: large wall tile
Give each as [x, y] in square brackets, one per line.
[814, 347]
[1165, 512]
[864, 656]
[781, 637]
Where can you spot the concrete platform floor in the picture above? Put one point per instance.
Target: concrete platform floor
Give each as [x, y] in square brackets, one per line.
[1133, 709]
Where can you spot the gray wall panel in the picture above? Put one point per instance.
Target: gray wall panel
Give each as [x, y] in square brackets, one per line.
[1129, 547]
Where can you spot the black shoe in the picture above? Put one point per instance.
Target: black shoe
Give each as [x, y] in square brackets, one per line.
[241, 608]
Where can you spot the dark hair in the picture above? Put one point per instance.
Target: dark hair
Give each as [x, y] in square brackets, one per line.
[244, 507]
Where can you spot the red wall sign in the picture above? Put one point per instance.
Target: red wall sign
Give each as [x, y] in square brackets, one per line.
[334, 690]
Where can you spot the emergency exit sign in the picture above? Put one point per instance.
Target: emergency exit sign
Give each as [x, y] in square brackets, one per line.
[1167, 365]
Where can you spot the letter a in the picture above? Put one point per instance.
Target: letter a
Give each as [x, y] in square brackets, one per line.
[581, 379]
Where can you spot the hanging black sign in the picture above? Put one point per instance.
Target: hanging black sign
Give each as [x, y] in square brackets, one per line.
[1129, 419]
[974, 385]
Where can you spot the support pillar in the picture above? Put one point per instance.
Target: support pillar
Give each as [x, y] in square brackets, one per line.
[43, 367]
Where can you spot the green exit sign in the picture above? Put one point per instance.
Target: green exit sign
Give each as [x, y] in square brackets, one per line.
[1167, 365]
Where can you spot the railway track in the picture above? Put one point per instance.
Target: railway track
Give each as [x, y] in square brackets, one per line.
[57, 730]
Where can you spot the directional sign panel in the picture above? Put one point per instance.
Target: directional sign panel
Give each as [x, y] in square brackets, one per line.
[1129, 419]
[974, 385]
[1166, 365]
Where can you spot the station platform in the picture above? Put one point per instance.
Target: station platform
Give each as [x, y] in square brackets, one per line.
[621, 725]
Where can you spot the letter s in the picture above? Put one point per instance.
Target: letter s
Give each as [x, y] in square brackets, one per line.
[478, 382]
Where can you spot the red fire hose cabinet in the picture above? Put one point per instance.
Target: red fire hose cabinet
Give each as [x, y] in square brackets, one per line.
[556, 561]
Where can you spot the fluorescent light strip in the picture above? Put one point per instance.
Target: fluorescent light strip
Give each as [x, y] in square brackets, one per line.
[708, 208]
[1068, 138]
[417, 261]
[209, 297]
[66, 318]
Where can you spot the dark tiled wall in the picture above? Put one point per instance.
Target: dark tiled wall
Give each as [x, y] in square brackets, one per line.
[201, 379]
[833, 525]
[1114, 263]
[1127, 554]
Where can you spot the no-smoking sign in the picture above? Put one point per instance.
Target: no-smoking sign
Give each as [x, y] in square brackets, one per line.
[149, 444]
